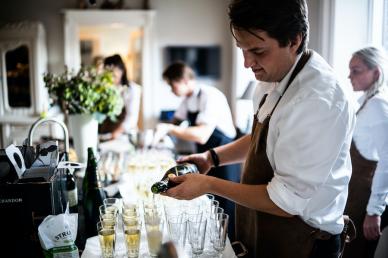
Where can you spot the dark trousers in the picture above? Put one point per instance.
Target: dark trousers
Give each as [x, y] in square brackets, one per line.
[327, 248]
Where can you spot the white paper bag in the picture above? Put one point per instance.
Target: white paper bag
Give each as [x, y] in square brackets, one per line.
[57, 235]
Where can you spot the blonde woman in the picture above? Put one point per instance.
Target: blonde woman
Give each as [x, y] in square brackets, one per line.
[368, 188]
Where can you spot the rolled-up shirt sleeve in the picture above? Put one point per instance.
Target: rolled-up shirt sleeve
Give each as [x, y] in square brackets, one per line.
[310, 135]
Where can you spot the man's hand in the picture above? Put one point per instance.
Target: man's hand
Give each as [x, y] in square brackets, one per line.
[189, 186]
[371, 227]
[202, 160]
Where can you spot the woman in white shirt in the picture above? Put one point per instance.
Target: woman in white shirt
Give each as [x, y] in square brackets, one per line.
[131, 93]
[368, 188]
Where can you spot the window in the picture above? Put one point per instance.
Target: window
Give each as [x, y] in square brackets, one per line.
[385, 25]
[378, 23]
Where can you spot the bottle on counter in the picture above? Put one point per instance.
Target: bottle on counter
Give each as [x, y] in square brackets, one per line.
[178, 170]
[71, 191]
[93, 195]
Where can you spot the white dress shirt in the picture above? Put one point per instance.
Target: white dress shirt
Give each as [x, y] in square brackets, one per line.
[371, 139]
[308, 144]
[132, 98]
[213, 109]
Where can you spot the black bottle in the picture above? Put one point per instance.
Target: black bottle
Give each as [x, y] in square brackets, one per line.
[178, 170]
[93, 195]
[71, 191]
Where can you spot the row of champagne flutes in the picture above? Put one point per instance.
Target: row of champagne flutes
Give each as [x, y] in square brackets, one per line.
[117, 216]
[195, 227]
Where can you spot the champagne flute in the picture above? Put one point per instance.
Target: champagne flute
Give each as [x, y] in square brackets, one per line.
[220, 232]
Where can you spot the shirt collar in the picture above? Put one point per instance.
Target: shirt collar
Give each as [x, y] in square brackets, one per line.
[279, 87]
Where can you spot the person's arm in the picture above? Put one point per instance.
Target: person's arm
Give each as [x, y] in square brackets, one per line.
[199, 133]
[234, 152]
[377, 200]
[252, 196]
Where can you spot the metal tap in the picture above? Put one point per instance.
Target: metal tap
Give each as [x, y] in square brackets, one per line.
[43, 120]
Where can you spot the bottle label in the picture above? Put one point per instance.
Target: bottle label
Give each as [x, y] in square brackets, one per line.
[72, 197]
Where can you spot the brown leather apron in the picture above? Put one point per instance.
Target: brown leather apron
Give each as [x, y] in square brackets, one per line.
[360, 187]
[265, 235]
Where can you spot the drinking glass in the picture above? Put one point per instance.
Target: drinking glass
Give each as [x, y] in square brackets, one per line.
[177, 228]
[107, 238]
[108, 209]
[154, 229]
[197, 233]
[207, 201]
[130, 209]
[173, 208]
[214, 204]
[215, 211]
[151, 209]
[130, 219]
[113, 202]
[220, 232]
[132, 236]
[194, 213]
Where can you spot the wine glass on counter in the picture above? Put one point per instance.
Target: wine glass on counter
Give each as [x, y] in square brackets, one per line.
[107, 239]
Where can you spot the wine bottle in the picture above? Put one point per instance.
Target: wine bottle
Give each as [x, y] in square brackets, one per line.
[93, 195]
[71, 191]
[178, 170]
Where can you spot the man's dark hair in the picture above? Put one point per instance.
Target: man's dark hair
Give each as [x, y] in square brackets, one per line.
[283, 20]
[177, 71]
[116, 61]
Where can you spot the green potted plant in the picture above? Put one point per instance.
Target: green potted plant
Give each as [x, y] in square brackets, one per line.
[86, 98]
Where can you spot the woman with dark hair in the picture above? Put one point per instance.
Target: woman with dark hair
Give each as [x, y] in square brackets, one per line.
[368, 188]
[131, 93]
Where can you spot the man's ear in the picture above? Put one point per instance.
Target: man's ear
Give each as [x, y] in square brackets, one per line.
[295, 43]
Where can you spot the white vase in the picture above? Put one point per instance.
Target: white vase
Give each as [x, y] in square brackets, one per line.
[84, 131]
